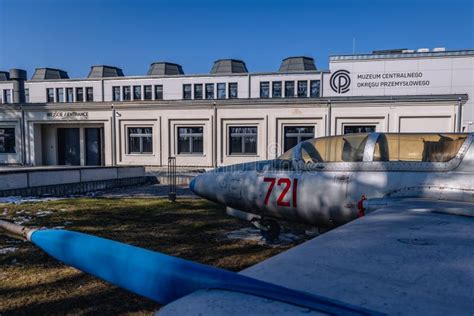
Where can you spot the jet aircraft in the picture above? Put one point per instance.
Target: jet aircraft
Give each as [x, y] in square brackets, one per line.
[329, 181]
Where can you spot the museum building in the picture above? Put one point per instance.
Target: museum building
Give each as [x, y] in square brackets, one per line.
[229, 115]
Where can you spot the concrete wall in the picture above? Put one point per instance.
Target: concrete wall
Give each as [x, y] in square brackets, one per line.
[29, 178]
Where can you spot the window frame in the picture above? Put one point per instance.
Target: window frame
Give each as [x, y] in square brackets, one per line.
[262, 83]
[207, 92]
[69, 92]
[140, 94]
[140, 136]
[302, 82]
[224, 89]
[273, 89]
[187, 86]
[196, 93]
[79, 99]
[124, 94]
[191, 136]
[89, 97]
[50, 95]
[298, 136]
[13, 137]
[60, 95]
[27, 95]
[156, 95]
[147, 95]
[286, 84]
[317, 95]
[242, 138]
[230, 87]
[114, 94]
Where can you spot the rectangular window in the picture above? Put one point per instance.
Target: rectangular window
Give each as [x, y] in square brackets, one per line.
[137, 92]
[49, 95]
[190, 140]
[296, 134]
[243, 140]
[264, 90]
[69, 95]
[198, 91]
[159, 92]
[127, 95]
[302, 89]
[148, 93]
[289, 89]
[115, 93]
[7, 96]
[79, 95]
[7, 141]
[27, 95]
[140, 140]
[276, 89]
[315, 86]
[355, 129]
[89, 94]
[221, 91]
[209, 91]
[233, 90]
[59, 95]
[187, 93]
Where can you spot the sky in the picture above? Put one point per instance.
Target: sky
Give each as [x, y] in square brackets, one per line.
[75, 34]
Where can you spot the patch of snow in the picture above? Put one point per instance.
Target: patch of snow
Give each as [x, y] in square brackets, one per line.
[4, 251]
[253, 234]
[19, 220]
[41, 213]
[29, 199]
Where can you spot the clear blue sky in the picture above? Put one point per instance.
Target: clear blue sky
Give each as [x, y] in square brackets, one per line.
[75, 34]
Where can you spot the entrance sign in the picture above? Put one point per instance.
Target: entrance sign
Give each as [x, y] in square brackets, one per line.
[68, 115]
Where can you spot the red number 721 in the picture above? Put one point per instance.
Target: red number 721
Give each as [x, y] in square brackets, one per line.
[286, 182]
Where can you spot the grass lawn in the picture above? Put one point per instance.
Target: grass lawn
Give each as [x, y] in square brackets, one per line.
[31, 282]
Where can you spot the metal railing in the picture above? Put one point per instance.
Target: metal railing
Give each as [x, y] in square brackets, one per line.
[172, 179]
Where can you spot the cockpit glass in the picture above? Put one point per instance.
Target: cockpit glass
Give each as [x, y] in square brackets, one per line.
[330, 149]
[420, 147]
[384, 147]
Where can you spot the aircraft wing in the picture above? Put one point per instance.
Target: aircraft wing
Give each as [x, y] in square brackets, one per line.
[412, 256]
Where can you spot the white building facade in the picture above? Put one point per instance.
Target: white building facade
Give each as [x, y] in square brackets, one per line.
[230, 115]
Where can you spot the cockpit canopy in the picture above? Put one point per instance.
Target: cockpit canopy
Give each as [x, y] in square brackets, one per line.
[378, 147]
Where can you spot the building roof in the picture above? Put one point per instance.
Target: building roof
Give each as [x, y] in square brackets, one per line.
[103, 71]
[49, 73]
[229, 66]
[4, 76]
[405, 53]
[297, 64]
[163, 68]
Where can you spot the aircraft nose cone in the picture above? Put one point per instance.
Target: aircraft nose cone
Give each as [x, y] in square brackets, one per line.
[197, 186]
[192, 185]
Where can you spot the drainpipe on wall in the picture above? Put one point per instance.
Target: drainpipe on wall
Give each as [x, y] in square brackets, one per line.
[23, 137]
[459, 123]
[215, 136]
[329, 117]
[114, 158]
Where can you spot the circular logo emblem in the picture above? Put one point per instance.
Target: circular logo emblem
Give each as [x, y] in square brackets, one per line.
[340, 81]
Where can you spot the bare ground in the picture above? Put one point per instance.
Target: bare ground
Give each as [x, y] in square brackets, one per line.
[33, 283]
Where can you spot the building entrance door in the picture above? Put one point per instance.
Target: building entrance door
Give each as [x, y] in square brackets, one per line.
[93, 146]
[69, 152]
